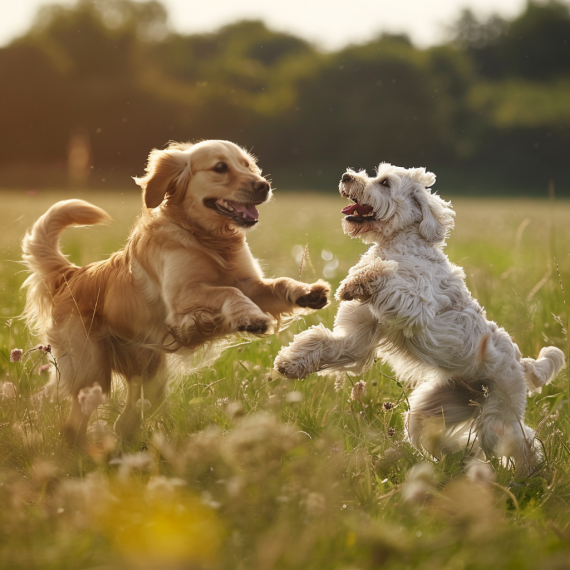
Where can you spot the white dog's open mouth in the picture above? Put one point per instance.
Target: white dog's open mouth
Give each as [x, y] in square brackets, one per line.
[358, 213]
[242, 214]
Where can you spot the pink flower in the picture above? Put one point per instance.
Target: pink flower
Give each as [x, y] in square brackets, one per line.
[43, 368]
[16, 354]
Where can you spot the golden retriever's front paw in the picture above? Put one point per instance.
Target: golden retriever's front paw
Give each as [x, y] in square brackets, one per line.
[255, 324]
[316, 297]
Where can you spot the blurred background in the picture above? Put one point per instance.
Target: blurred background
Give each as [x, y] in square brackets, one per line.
[482, 98]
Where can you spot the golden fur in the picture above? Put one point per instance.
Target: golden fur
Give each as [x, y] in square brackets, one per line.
[186, 277]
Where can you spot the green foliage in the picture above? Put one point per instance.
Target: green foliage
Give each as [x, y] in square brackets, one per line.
[487, 107]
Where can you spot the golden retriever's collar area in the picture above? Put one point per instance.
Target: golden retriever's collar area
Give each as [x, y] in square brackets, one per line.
[242, 214]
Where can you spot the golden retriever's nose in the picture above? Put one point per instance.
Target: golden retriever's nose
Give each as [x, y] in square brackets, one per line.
[346, 177]
[261, 189]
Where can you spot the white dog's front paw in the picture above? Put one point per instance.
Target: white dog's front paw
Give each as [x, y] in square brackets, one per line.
[351, 289]
[292, 365]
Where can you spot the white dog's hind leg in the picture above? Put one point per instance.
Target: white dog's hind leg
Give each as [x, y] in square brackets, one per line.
[351, 345]
[442, 417]
[544, 369]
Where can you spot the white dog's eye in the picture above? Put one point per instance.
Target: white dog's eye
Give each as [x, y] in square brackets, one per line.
[221, 167]
[385, 183]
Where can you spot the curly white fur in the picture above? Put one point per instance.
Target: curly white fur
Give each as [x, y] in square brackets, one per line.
[406, 303]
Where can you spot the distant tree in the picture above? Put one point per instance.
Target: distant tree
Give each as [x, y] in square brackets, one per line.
[535, 45]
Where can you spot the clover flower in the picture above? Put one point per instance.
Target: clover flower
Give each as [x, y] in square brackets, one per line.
[16, 354]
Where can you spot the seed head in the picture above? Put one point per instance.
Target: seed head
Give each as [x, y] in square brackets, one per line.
[16, 354]
[358, 391]
[91, 398]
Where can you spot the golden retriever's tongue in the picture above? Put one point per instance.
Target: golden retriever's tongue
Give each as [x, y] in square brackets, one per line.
[360, 209]
[249, 211]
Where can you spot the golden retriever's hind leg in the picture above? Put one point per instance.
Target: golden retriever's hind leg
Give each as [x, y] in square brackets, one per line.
[75, 428]
[128, 423]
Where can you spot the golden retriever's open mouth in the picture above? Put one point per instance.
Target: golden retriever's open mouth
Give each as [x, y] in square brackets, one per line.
[241, 214]
[358, 212]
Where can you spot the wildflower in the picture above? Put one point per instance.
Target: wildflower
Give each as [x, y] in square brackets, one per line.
[144, 405]
[45, 349]
[8, 390]
[358, 391]
[315, 504]
[91, 398]
[43, 368]
[391, 432]
[479, 472]
[16, 354]
[294, 397]
[420, 482]
[339, 382]
[234, 410]
[141, 461]
[164, 487]
[388, 405]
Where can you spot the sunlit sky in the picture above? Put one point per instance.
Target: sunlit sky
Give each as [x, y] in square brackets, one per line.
[330, 24]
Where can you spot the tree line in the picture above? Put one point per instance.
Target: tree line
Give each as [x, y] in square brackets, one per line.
[92, 87]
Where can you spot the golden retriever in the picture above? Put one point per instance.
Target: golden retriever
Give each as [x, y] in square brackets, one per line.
[186, 274]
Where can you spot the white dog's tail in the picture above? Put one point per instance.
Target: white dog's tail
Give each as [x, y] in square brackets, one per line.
[544, 369]
[49, 267]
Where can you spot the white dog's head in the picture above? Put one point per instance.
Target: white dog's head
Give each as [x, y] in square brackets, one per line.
[395, 200]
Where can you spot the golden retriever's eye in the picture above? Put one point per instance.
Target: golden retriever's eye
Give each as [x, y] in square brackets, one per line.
[221, 167]
[385, 183]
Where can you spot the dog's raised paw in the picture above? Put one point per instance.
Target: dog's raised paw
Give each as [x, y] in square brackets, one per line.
[289, 369]
[256, 326]
[316, 298]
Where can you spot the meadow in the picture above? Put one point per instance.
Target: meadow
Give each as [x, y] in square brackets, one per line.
[242, 469]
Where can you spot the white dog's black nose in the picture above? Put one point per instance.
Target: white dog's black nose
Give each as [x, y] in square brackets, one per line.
[346, 177]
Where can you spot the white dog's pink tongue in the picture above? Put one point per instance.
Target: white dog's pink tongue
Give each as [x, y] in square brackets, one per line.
[360, 209]
[249, 211]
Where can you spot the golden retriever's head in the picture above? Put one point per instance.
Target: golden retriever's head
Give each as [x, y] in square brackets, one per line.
[212, 184]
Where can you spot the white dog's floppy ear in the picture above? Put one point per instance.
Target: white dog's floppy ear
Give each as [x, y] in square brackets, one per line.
[437, 216]
[421, 176]
[168, 173]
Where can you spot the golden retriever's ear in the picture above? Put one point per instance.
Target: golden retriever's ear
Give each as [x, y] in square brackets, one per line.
[167, 173]
[437, 215]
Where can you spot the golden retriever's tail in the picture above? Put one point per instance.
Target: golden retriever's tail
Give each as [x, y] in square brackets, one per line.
[49, 267]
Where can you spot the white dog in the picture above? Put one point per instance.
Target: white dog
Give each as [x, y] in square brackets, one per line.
[406, 303]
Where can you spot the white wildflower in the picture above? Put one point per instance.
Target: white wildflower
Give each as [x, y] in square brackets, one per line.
[479, 472]
[315, 504]
[420, 482]
[91, 398]
[8, 390]
[141, 461]
[294, 397]
[164, 487]
[358, 391]
[144, 404]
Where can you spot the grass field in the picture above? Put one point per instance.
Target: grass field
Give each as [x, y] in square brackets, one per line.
[245, 470]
